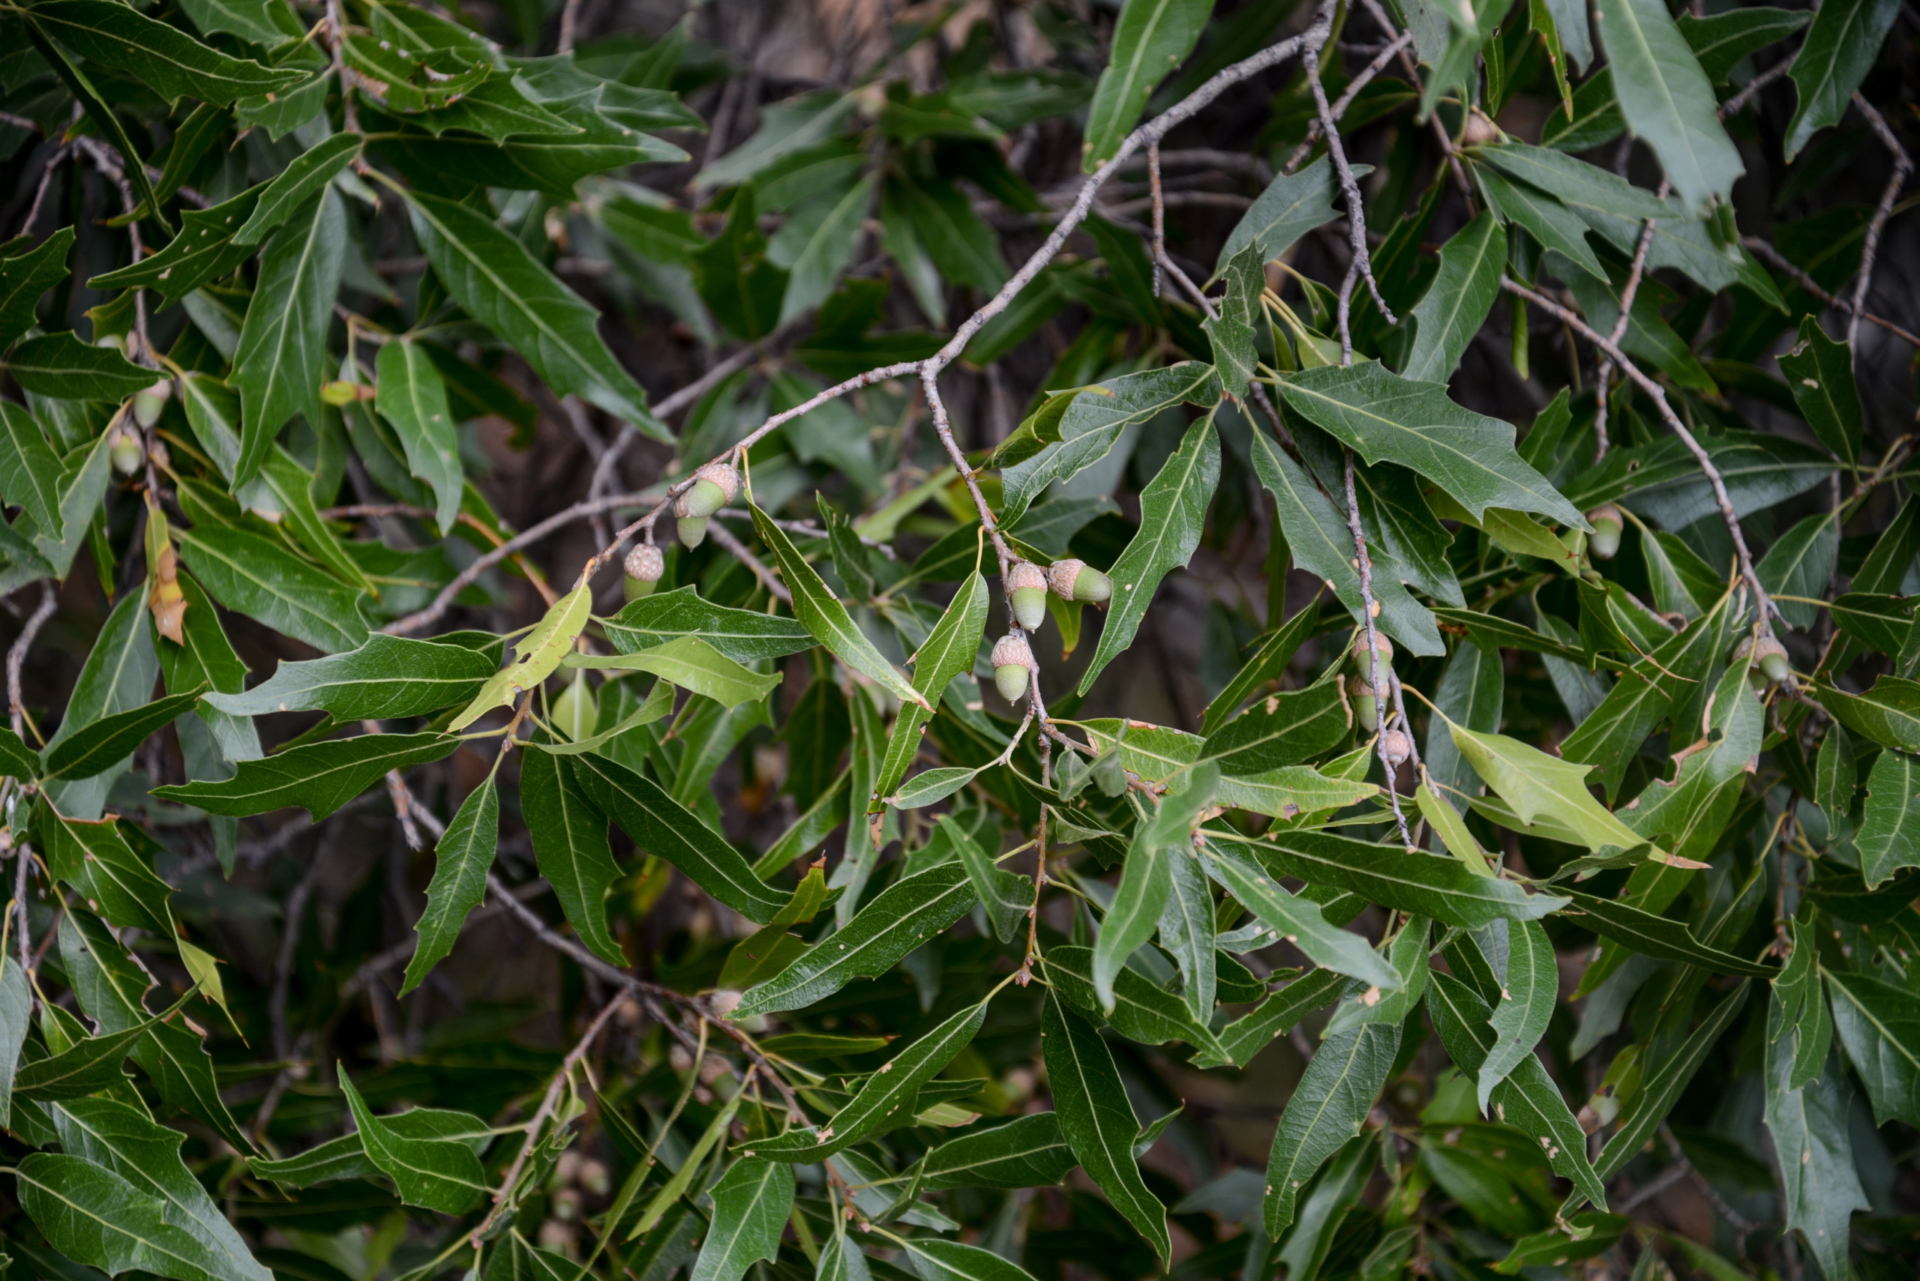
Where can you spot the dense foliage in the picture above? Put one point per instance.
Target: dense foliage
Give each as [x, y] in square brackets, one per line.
[1075, 733]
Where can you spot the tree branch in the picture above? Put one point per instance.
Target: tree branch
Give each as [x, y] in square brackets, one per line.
[1658, 395]
[1902, 168]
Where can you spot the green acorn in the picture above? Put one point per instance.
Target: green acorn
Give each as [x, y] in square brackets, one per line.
[148, 404]
[714, 486]
[576, 710]
[1027, 585]
[1363, 653]
[1013, 666]
[127, 451]
[644, 567]
[1366, 702]
[1076, 580]
[1771, 655]
[1607, 524]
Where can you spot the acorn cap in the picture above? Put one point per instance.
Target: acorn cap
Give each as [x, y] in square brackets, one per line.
[1394, 746]
[646, 563]
[1363, 651]
[1013, 666]
[1606, 514]
[1013, 648]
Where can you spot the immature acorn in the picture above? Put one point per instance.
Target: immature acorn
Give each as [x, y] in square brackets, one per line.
[148, 404]
[1366, 702]
[1771, 655]
[1607, 523]
[1363, 653]
[126, 451]
[1013, 666]
[1076, 580]
[644, 567]
[1027, 584]
[714, 486]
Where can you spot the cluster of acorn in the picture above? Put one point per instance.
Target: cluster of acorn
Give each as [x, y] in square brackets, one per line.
[1766, 658]
[1027, 585]
[1367, 698]
[127, 449]
[714, 486]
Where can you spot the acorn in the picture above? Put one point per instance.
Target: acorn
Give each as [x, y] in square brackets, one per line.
[1013, 666]
[1366, 702]
[1027, 585]
[148, 404]
[644, 567]
[1394, 746]
[126, 451]
[1607, 524]
[1363, 653]
[714, 486]
[576, 710]
[1076, 580]
[1771, 655]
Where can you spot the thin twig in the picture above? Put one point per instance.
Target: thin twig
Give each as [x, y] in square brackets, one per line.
[1658, 395]
[1902, 168]
[671, 405]
[569, 25]
[295, 915]
[336, 37]
[17, 655]
[651, 991]
[487, 560]
[724, 537]
[548, 1102]
[1362, 264]
[1634, 275]
[1159, 213]
[1347, 95]
[1412, 68]
[1735, 105]
[1780, 262]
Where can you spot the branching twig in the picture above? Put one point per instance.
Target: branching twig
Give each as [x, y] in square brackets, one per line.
[1782, 263]
[1627, 293]
[1347, 95]
[723, 537]
[548, 1102]
[1362, 264]
[1902, 168]
[487, 560]
[652, 991]
[1735, 105]
[1657, 394]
